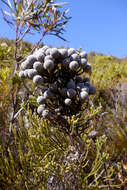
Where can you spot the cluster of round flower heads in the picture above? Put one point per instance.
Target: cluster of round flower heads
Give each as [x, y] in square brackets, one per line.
[56, 71]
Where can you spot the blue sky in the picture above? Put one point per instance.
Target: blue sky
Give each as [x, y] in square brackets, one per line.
[98, 25]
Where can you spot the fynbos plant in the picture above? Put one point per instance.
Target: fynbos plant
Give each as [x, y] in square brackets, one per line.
[42, 16]
[29, 17]
[56, 73]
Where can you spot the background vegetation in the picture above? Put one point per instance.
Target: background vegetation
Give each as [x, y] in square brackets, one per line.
[37, 155]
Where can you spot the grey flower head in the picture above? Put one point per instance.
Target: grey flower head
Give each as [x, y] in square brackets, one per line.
[49, 64]
[38, 80]
[73, 65]
[68, 101]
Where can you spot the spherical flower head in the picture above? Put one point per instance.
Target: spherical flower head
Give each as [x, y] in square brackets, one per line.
[63, 92]
[83, 95]
[40, 109]
[80, 85]
[48, 51]
[21, 74]
[79, 79]
[71, 84]
[87, 68]
[45, 114]
[40, 56]
[41, 100]
[85, 88]
[92, 89]
[47, 94]
[59, 109]
[48, 57]
[38, 80]
[71, 93]
[32, 73]
[75, 57]
[26, 65]
[87, 84]
[63, 53]
[83, 62]
[31, 59]
[44, 89]
[26, 73]
[83, 54]
[73, 65]
[68, 101]
[55, 53]
[38, 66]
[49, 65]
[65, 62]
[71, 51]
[86, 79]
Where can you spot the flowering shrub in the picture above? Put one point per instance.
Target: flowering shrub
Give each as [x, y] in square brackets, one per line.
[56, 73]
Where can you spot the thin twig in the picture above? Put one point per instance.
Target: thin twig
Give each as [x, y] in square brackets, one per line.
[24, 33]
[42, 36]
[16, 115]
[97, 177]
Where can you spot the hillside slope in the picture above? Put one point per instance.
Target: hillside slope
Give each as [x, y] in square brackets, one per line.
[32, 151]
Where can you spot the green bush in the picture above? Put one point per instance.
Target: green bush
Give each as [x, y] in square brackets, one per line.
[40, 154]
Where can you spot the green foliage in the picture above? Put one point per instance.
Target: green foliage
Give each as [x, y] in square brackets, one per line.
[3, 52]
[36, 154]
[42, 151]
[111, 71]
[109, 75]
[4, 90]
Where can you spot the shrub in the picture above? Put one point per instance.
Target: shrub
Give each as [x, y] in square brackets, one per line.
[52, 71]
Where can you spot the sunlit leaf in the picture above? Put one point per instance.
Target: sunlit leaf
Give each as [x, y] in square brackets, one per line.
[19, 9]
[9, 3]
[7, 13]
[5, 3]
[58, 4]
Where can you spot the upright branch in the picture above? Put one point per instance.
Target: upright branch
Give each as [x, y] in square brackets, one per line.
[55, 71]
[44, 17]
[30, 16]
